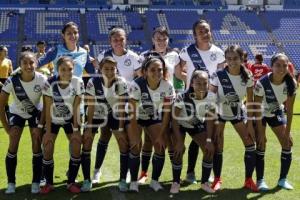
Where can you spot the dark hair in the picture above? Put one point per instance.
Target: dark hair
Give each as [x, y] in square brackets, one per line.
[288, 78]
[25, 54]
[2, 47]
[196, 74]
[152, 58]
[64, 59]
[161, 30]
[107, 59]
[245, 75]
[67, 25]
[26, 48]
[259, 57]
[40, 43]
[199, 21]
[116, 30]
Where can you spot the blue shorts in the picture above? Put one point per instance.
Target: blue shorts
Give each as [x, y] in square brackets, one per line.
[275, 121]
[147, 123]
[233, 121]
[68, 127]
[111, 122]
[16, 120]
[193, 131]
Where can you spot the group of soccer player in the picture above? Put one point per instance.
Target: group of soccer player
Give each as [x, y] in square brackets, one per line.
[163, 94]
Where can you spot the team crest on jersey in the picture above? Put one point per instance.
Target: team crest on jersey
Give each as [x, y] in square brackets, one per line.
[37, 89]
[7, 82]
[144, 95]
[127, 62]
[73, 92]
[213, 57]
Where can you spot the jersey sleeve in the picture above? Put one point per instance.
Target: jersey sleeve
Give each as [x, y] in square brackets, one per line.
[171, 93]
[214, 80]
[184, 55]
[176, 59]
[80, 88]
[137, 64]
[89, 67]
[47, 90]
[250, 82]
[48, 57]
[7, 86]
[122, 87]
[134, 91]
[221, 56]
[179, 103]
[258, 89]
[90, 89]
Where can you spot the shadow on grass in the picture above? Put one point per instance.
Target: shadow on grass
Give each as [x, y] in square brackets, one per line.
[109, 190]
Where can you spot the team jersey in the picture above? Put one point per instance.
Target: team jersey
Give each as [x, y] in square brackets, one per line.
[171, 59]
[211, 59]
[111, 95]
[150, 102]
[63, 99]
[5, 68]
[33, 90]
[80, 56]
[259, 70]
[280, 92]
[226, 101]
[127, 63]
[202, 107]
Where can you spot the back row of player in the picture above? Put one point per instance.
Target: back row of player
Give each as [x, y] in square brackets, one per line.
[231, 84]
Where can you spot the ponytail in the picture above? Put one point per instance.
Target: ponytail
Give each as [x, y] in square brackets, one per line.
[244, 74]
[290, 83]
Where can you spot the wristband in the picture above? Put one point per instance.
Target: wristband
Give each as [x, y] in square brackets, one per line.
[208, 139]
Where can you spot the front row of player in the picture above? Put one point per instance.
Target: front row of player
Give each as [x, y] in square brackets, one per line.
[148, 106]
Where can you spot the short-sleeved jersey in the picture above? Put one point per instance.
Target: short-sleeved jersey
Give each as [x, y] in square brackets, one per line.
[259, 70]
[127, 64]
[240, 88]
[5, 68]
[280, 92]
[62, 112]
[33, 90]
[211, 59]
[80, 56]
[164, 93]
[171, 59]
[111, 95]
[202, 107]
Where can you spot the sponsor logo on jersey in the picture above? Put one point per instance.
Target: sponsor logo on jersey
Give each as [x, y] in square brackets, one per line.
[37, 89]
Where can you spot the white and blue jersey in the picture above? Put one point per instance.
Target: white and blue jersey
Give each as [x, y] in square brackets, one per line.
[80, 56]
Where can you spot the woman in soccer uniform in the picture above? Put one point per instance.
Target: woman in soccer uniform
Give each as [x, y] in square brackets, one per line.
[232, 85]
[149, 105]
[128, 67]
[106, 95]
[70, 47]
[271, 91]
[194, 113]
[26, 89]
[63, 95]
[203, 55]
[160, 40]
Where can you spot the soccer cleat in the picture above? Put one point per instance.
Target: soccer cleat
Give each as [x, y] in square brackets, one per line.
[96, 176]
[46, 189]
[143, 178]
[207, 188]
[134, 186]
[73, 188]
[262, 186]
[123, 187]
[86, 186]
[11, 188]
[283, 183]
[156, 186]
[175, 187]
[249, 184]
[191, 178]
[216, 185]
[35, 188]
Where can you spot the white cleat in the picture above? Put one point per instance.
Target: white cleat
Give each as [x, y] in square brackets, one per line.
[96, 176]
[11, 188]
[155, 185]
[134, 186]
[175, 188]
